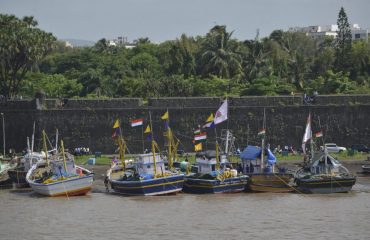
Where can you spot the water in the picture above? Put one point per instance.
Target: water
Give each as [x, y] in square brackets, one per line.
[25, 215]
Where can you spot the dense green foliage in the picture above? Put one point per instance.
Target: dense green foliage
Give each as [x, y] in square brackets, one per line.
[22, 45]
[211, 65]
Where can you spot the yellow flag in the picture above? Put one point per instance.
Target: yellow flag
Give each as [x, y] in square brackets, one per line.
[165, 116]
[116, 124]
[198, 147]
[147, 129]
[210, 118]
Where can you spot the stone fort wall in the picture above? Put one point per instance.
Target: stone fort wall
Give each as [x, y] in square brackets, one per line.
[344, 119]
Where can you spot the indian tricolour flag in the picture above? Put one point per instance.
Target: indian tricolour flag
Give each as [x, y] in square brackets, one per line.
[137, 122]
[197, 131]
[200, 137]
[261, 132]
[318, 134]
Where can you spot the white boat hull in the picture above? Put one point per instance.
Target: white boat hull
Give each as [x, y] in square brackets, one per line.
[73, 186]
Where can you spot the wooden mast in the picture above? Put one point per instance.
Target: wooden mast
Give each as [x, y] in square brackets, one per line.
[153, 145]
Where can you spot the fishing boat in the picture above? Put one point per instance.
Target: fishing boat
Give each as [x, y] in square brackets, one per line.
[147, 175]
[209, 175]
[365, 169]
[264, 176]
[18, 174]
[322, 173]
[5, 167]
[59, 176]
[212, 173]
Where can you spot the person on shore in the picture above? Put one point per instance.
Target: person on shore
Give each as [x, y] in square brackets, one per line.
[106, 183]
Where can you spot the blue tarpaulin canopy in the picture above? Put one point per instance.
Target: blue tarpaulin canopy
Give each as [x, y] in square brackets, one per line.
[253, 152]
[250, 153]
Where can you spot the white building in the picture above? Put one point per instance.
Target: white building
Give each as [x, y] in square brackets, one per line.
[320, 32]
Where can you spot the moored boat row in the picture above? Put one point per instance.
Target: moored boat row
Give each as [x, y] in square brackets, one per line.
[153, 173]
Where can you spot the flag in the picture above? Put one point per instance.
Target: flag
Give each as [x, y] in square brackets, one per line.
[318, 134]
[166, 125]
[198, 147]
[197, 131]
[116, 124]
[147, 129]
[210, 118]
[165, 116]
[307, 134]
[200, 137]
[221, 114]
[209, 125]
[116, 129]
[116, 133]
[149, 137]
[261, 132]
[137, 122]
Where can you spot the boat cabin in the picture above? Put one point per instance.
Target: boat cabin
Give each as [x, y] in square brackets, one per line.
[251, 160]
[205, 162]
[145, 164]
[319, 166]
[59, 170]
[32, 158]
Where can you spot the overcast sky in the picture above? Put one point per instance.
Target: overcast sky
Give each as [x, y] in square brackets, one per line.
[162, 20]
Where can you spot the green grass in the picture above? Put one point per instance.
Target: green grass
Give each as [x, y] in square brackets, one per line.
[103, 160]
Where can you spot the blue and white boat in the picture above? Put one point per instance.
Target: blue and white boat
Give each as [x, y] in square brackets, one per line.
[210, 176]
[147, 176]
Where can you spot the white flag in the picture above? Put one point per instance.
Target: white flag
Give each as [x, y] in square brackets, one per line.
[307, 134]
[221, 114]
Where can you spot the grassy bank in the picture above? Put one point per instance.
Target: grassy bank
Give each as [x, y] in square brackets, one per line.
[107, 159]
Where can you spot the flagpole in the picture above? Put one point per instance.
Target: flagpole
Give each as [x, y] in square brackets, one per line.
[142, 135]
[153, 147]
[263, 141]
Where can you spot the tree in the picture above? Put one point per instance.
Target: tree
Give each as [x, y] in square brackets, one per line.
[22, 45]
[343, 42]
[219, 57]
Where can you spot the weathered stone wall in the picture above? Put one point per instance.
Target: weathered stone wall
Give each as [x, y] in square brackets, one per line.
[343, 119]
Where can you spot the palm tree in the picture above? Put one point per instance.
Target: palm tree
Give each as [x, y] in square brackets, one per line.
[219, 57]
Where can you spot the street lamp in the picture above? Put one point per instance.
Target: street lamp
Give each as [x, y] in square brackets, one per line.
[2, 115]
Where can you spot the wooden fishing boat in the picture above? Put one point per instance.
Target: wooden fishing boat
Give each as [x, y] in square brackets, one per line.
[267, 178]
[147, 175]
[323, 173]
[18, 174]
[207, 179]
[212, 173]
[264, 176]
[59, 176]
[5, 167]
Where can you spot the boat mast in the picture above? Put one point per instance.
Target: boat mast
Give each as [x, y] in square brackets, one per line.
[227, 142]
[122, 148]
[263, 141]
[153, 145]
[56, 141]
[169, 142]
[45, 147]
[64, 157]
[311, 139]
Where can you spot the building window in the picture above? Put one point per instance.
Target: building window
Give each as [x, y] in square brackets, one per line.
[357, 36]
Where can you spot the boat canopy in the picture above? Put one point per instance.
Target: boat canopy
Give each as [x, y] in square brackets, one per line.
[253, 152]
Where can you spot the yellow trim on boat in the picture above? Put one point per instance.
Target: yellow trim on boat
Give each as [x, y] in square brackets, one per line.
[214, 186]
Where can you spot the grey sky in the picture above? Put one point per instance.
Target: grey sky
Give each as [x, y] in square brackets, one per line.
[162, 20]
